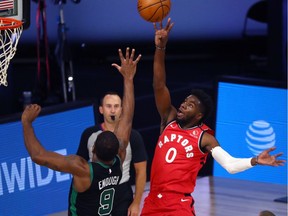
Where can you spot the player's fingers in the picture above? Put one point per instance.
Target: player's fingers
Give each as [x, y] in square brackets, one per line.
[281, 162]
[155, 26]
[38, 109]
[116, 66]
[120, 54]
[138, 58]
[127, 53]
[35, 107]
[170, 27]
[132, 54]
[168, 23]
[271, 149]
[278, 154]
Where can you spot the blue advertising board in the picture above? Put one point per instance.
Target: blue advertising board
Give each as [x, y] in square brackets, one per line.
[249, 119]
[27, 188]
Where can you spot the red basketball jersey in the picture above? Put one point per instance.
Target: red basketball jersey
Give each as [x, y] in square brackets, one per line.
[178, 159]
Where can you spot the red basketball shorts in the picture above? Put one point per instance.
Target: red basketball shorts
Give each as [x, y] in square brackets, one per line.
[168, 204]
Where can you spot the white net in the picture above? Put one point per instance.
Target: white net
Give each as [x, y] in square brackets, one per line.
[10, 32]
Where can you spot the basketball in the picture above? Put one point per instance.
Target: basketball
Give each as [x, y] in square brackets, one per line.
[154, 10]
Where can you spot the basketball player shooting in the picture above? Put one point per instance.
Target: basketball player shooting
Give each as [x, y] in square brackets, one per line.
[184, 144]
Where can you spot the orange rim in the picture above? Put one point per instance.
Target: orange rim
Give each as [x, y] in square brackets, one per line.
[9, 23]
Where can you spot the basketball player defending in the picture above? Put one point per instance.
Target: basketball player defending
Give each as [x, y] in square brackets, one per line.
[184, 143]
[126, 203]
[93, 182]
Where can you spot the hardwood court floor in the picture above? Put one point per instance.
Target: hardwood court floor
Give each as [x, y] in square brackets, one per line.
[215, 196]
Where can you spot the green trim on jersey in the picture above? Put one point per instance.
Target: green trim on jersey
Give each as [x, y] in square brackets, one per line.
[74, 193]
[105, 165]
[91, 172]
[73, 198]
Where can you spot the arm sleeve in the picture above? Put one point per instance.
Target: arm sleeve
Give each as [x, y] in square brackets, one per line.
[231, 164]
[138, 148]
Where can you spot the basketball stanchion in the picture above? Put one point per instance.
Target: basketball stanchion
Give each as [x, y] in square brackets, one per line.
[10, 32]
[64, 56]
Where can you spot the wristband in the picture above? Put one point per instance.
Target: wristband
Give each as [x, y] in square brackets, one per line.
[256, 161]
[160, 48]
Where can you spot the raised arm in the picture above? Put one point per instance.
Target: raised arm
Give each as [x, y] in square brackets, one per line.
[127, 69]
[71, 164]
[161, 92]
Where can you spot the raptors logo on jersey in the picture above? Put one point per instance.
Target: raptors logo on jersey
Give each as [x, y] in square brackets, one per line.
[179, 157]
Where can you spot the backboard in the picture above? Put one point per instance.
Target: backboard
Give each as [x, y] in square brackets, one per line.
[17, 9]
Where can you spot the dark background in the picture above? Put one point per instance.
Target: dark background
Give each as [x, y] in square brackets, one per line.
[210, 39]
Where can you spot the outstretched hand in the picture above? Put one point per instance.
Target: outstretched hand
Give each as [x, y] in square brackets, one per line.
[161, 34]
[30, 113]
[271, 160]
[134, 209]
[128, 64]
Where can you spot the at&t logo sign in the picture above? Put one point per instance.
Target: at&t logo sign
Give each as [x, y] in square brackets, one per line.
[260, 136]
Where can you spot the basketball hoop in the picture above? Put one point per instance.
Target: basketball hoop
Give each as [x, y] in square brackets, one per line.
[10, 32]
